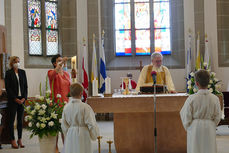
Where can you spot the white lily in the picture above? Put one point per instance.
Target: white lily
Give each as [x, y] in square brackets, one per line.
[213, 74]
[48, 91]
[192, 74]
[211, 90]
[30, 124]
[41, 112]
[51, 123]
[43, 125]
[195, 90]
[38, 125]
[43, 106]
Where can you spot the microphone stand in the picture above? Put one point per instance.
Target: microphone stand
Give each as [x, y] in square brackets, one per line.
[155, 121]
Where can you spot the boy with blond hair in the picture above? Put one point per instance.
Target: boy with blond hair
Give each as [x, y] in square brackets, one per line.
[200, 115]
[78, 123]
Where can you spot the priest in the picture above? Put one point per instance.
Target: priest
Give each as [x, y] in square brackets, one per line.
[163, 74]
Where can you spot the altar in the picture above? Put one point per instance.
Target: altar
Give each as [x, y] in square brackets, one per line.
[134, 122]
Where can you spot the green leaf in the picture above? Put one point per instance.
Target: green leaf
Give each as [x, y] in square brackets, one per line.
[40, 89]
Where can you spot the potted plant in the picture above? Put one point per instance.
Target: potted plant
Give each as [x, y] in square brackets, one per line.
[213, 85]
[43, 117]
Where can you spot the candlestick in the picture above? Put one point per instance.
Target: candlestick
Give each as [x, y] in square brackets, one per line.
[95, 87]
[126, 81]
[109, 142]
[99, 147]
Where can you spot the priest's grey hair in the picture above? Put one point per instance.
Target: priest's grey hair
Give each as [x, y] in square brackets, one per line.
[156, 54]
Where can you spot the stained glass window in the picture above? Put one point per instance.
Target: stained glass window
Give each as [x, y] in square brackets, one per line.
[121, 1]
[123, 43]
[162, 27]
[34, 13]
[162, 41]
[35, 42]
[161, 15]
[141, 1]
[142, 42]
[142, 15]
[122, 18]
[52, 42]
[49, 22]
[122, 28]
[135, 31]
[34, 24]
[51, 15]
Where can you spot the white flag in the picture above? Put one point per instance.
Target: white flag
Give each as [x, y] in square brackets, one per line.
[94, 69]
[206, 54]
[198, 58]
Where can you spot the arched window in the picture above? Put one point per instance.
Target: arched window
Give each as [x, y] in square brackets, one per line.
[43, 36]
[142, 27]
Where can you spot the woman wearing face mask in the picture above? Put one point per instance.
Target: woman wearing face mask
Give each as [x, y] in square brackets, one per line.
[17, 91]
[61, 82]
[59, 77]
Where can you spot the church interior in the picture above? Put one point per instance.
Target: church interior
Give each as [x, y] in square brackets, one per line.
[35, 30]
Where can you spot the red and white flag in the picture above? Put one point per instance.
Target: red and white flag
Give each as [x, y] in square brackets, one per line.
[85, 72]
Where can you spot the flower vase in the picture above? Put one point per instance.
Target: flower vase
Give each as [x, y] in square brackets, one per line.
[47, 144]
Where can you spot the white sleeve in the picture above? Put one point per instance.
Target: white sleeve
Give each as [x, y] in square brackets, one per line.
[64, 125]
[90, 121]
[169, 81]
[142, 78]
[186, 114]
[217, 112]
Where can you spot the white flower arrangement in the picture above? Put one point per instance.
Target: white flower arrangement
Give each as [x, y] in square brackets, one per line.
[213, 86]
[43, 115]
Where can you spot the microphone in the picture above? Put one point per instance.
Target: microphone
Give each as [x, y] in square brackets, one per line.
[154, 76]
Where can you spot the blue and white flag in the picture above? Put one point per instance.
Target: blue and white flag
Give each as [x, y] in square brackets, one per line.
[102, 72]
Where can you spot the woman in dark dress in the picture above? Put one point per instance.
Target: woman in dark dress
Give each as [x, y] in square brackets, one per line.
[17, 91]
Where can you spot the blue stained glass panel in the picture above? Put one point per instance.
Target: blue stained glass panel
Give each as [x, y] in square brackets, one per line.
[142, 15]
[162, 41]
[51, 15]
[34, 13]
[122, 16]
[35, 47]
[123, 43]
[52, 42]
[161, 15]
[142, 42]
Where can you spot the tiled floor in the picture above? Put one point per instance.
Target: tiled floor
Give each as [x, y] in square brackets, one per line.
[32, 145]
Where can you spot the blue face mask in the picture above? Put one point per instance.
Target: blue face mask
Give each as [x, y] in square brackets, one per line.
[65, 68]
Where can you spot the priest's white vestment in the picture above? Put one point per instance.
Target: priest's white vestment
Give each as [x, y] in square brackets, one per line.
[200, 115]
[79, 127]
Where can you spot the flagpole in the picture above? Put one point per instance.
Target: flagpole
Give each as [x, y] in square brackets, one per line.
[189, 54]
[198, 52]
[102, 67]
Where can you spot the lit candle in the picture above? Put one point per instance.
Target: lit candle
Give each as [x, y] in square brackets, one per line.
[73, 62]
[73, 66]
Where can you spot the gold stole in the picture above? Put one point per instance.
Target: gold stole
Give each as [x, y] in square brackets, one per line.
[160, 76]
